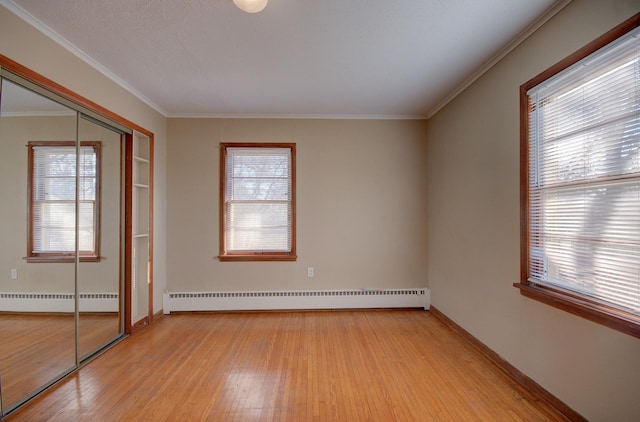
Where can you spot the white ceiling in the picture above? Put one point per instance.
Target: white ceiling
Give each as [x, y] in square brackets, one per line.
[297, 58]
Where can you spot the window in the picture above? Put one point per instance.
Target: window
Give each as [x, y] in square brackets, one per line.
[257, 202]
[52, 204]
[581, 182]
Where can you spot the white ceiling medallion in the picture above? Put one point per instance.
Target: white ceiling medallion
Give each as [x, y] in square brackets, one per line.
[251, 6]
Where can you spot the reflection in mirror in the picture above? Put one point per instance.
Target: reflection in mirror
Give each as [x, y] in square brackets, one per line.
[37, 306]
[99, 283]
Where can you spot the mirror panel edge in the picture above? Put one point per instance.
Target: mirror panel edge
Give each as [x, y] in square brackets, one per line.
[129, 323]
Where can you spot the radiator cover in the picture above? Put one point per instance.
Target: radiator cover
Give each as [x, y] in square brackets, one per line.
[296, 299]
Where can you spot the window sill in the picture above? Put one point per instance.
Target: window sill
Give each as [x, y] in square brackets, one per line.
[257, 257]
[60, 259]
[610, 317]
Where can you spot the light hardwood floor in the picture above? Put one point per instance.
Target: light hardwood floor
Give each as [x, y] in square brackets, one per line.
[36, 348]
[290, 366]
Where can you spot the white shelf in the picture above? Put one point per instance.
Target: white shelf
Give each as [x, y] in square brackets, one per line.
[141, 195]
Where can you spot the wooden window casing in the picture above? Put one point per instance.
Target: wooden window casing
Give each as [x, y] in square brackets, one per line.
[44, 254]
[599, 311]
[246, 252]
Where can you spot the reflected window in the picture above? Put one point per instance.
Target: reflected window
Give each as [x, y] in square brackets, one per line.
[52, 197]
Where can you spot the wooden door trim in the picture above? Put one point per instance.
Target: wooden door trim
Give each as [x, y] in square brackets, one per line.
[49, 85]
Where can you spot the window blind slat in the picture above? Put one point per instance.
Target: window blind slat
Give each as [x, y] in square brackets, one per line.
[54, 194]
[258, 208]
[584, 177]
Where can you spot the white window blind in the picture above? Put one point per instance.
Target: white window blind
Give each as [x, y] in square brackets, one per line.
[257, 200]
[54, 194]
[584, 177]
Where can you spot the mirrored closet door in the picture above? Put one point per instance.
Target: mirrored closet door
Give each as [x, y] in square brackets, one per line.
[37, 228]
[102, 208]
[75, 230]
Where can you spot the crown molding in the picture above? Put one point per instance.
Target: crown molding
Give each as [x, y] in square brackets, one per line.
[296, 116]
[59, 39]
[522, 36]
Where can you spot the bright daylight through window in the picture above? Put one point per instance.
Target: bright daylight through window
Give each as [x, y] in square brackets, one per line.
[52, 201]
[582, 169]
[257, 200]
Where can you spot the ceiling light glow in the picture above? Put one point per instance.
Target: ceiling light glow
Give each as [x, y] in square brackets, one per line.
[251, 6]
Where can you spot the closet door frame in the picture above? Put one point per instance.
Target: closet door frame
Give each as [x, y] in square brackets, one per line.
[89, 108]
[130, 234]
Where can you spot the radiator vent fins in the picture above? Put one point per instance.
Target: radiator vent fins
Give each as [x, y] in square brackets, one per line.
[299, 293]
[57, 296]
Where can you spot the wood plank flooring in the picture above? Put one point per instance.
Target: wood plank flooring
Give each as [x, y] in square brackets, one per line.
[36, 348]
[290, 366]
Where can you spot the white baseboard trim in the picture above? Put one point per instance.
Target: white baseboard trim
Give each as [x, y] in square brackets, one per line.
[58, 302]
[296, 299]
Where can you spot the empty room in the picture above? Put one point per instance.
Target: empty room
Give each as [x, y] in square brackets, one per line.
[279, 210]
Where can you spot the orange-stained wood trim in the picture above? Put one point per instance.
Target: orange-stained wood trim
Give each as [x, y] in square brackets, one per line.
[97, 222]
[524, 185]
[56, 88]
[150, 238]
[122, 277]
[158, 315]
[294, 191]
[52, 257]
[626, 26]
[560, 299]
[605, 315]
[221, 214]
[258, 255]
[519, 377]
[128, 232]
[140, 325]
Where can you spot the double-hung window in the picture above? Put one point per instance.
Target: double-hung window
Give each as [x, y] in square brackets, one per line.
[581, 182]
[52, 201]
[257, 202]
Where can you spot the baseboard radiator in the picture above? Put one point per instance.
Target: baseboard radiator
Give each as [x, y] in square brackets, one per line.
[58, 302]
[296, 299]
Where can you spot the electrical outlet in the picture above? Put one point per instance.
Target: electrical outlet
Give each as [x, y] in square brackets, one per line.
[309, 271]
[14, 273]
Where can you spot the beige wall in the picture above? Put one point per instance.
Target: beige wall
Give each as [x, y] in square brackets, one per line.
[22, 43]
[473, 209]
[361, 204]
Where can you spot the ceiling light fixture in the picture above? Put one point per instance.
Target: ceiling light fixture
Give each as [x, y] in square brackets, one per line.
[251, 6]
